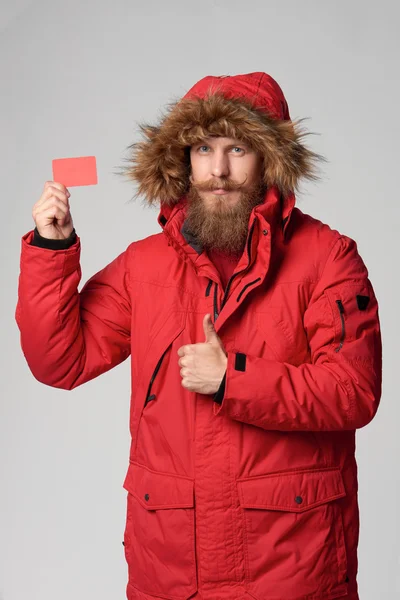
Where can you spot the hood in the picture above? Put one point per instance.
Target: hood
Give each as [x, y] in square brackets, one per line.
[249, 107]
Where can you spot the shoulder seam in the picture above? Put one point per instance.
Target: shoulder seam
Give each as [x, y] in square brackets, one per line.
[330, 252]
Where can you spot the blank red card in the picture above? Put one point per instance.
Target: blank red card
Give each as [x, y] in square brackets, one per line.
[75, 171]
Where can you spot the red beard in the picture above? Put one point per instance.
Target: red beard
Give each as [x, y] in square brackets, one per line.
[222, 227]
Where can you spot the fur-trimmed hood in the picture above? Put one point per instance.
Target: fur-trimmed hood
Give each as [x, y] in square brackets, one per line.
[250, 107]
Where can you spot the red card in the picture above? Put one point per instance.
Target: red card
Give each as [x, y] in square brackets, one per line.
[75, 171]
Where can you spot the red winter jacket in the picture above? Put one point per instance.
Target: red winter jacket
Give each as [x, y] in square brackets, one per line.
[253, 493]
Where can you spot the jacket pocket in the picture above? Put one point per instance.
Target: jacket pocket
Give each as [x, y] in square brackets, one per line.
[158, 351]
[159, 535]
[154, 365]
[294, 537]
[340, 308]
[149, 395]
[352, 312]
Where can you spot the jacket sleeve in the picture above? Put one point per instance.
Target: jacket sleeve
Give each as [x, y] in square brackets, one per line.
[69, 337]
[341, 386]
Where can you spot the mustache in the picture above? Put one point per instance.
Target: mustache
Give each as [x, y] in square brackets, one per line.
[215, 184]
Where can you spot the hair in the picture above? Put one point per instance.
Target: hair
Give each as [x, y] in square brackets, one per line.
[160, 162]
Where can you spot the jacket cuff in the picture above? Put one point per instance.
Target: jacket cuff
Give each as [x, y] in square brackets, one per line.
[43, 242]
[219, 395]
[236, 368]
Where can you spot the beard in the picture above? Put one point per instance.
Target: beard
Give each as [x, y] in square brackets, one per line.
[222, 227]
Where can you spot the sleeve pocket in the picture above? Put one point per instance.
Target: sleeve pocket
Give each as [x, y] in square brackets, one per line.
[353, 309]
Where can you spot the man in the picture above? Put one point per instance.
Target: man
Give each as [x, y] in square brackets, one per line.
[255, 345]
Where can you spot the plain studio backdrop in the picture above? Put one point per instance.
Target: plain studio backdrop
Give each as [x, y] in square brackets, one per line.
[76, 78]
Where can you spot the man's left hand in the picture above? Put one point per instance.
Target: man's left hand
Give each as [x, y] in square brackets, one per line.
[203, 365]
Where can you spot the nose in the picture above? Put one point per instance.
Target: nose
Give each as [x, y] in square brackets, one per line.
[219, 164]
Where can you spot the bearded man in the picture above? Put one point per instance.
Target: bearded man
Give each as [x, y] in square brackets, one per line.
[255, 347]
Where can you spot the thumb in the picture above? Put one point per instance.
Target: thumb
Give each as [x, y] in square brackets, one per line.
[209, 330]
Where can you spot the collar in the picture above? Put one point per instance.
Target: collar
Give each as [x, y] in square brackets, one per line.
[274, 212]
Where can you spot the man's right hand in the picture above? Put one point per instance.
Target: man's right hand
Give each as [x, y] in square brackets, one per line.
[51, 212]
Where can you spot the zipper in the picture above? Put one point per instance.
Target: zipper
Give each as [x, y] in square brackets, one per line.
[224, 299]
[208, 291]
[150, 396]
[341, 312]
[246, 286]
[216, 313]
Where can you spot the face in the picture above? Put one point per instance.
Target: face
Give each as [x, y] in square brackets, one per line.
[226, 183]
[222, 168]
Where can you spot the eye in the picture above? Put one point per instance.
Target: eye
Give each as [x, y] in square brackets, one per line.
[237, 148]
[201, 147]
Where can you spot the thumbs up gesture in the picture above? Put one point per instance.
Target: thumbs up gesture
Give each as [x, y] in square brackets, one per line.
[203, 365]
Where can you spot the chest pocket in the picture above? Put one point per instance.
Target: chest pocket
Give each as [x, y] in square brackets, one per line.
[154, 368]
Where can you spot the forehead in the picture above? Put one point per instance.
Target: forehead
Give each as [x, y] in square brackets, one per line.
[222, 141]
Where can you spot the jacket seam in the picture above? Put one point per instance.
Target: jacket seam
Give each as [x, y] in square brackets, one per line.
[163, 285]
[289, 507]
[62, 278]
[128, 257]
[234, 494]
[173, 475]
[330, 252]
[289, 472]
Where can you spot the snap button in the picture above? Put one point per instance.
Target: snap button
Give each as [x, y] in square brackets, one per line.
[146, 497]
[298, 499]
[265, 231]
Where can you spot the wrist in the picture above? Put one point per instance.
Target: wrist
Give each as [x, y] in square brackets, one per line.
[56, 239]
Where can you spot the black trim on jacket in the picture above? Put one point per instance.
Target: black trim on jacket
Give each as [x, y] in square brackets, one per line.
[43, 242]
[219, 395]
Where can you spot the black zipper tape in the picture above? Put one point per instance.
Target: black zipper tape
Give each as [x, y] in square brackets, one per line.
[208, 290]
[341, 312]
[150, 396]
[216, 302]
[246, 286]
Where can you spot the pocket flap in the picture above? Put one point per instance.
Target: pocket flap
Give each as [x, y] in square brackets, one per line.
[294, 491]
[157, 490]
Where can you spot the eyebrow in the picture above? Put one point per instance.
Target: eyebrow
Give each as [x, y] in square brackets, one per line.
[231, 145]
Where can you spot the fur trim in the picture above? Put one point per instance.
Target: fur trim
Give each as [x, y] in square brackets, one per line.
[160, 163]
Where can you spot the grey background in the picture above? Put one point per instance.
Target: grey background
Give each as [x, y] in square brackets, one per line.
[76, 77]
